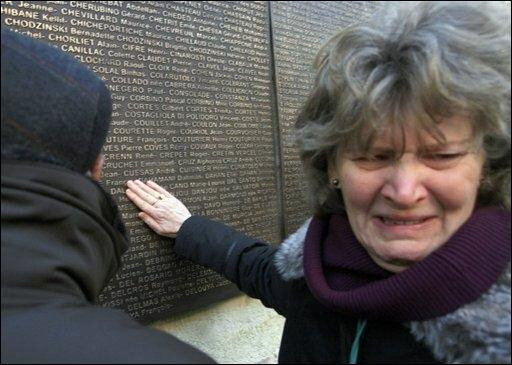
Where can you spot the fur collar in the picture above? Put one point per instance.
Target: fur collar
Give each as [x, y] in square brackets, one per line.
[476, 332]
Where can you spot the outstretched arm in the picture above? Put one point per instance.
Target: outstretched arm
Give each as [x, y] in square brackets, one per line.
[241, 259]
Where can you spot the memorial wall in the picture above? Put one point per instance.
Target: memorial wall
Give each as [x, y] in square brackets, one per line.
[205, 95]
[299, 29]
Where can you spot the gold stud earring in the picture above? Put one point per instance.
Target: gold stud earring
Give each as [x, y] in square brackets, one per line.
[335, 182]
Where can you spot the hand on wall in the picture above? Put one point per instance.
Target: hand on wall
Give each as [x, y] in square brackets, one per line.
[161, 211]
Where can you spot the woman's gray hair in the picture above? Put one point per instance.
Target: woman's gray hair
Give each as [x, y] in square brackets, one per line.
[428, 60]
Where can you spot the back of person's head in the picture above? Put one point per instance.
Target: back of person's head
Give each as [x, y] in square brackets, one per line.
[54, 109]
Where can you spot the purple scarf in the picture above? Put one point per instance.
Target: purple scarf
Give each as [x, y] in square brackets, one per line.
[342, 276]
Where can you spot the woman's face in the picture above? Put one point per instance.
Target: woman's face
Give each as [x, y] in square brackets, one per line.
[402, 207]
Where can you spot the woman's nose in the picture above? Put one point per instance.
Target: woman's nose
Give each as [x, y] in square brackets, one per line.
[404, 186]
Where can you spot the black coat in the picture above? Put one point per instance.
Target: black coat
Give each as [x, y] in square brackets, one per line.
[59, 248]
[312, 333]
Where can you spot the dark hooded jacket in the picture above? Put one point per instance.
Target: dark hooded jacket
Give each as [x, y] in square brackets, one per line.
[478, 332]
[61, 242]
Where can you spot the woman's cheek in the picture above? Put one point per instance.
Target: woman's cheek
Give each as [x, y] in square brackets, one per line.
[359, 189]
[454, 190]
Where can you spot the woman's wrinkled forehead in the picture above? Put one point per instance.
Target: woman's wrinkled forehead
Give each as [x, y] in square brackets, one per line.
[411, 133]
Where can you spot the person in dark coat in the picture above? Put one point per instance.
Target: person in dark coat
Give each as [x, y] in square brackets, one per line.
[62, 235]
[405, 141]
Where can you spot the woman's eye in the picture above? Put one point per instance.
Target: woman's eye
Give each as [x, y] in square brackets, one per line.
[370, 157]
[444, 156]
[441, 161]
[381, 157]
[440, 156]
[373, 161]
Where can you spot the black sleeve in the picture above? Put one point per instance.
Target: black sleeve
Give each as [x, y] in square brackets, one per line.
[243, 260]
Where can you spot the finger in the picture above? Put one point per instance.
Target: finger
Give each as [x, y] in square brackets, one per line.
[150, 222]
[141, 193]
[141, 203]
[159, 188]
[147, 189]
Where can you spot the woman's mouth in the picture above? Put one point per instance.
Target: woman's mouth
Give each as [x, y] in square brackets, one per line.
[404, 226]
[402, 222]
